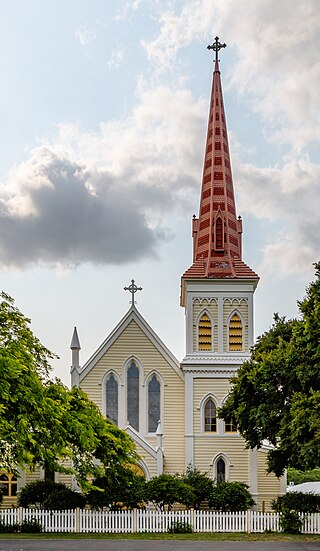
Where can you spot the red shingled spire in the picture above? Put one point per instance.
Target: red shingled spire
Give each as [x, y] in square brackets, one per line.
[217, 231]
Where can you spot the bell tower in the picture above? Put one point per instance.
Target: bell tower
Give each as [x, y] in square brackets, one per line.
[217, 290]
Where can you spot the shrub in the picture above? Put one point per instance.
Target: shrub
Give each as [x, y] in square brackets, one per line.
[31, 526]
[8, 528]
[120, 487]
[180, 527]
[64, 498]
[50, 495]
[231, 496]
[201, 485]
[297, 501]
[290, 522]
[167, 489]
[35, 493]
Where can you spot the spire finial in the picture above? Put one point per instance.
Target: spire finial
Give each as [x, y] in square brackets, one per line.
[216, 46]
[133, 289]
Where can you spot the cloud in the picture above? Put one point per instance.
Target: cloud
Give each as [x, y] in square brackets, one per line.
[85, 36]
[105, 197]
[116, 58]
[287, 198]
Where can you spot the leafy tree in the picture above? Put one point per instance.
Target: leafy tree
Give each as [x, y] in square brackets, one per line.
[276, 395]
[42, 421]
[167, 489]
[64, 498]
[230, 496]
[201, 485]
[299, 477]
[120, 487]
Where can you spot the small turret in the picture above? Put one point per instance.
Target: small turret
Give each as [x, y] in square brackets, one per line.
[75, 357]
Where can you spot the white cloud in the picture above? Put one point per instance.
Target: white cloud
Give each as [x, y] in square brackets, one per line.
[116, 58]
[84, 35]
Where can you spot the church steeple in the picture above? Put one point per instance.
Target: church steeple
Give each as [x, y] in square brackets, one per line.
[217, 231]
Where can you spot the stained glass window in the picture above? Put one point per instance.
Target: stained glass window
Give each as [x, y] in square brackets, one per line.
[112, 399]
[221, 470]
[210, 416]
[133, 395]
[153, 404]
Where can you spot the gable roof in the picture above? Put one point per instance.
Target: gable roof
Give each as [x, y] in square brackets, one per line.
[132, 315]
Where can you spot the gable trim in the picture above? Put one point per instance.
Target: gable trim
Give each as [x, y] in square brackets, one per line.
[131, 315]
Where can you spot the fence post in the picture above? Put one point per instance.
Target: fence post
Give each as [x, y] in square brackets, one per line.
[20, 515]
[192, 523]
[249, 521]
[77, 526]
[134, 528]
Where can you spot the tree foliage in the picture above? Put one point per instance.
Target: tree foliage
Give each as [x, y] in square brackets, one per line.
[42, 421]
[120, 487]
[201, 485]
[299, 477]
[166, 489]
[50, 495]
[230, 496]
[276, 395]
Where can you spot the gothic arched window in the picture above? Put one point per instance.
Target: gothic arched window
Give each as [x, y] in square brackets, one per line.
[235, 333]
[205, 333]
[133, 395]
[220, 470]
[153, 404]
[112, 399]
[210, 416]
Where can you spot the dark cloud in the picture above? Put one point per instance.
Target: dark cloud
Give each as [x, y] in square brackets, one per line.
[72, 217]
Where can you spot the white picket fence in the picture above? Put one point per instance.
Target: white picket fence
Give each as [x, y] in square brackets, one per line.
[88, 521]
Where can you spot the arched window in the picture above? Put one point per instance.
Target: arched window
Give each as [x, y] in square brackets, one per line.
[219, 234]
[220, 470]
[153, 404]
[205, 333]
[210, 416]
[8, 484]
[112, 399]
[133, 395]
[235, 333]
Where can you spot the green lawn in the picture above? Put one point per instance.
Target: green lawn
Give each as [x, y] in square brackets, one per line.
[197, 537]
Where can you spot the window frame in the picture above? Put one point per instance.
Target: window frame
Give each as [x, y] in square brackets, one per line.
[235, 312]
[203, 312]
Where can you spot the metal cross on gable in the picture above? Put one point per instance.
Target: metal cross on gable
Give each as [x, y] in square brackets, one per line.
[133, 289]
[216, 46]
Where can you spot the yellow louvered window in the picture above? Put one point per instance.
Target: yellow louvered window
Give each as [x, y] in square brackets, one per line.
[235, 334]
[205, 333]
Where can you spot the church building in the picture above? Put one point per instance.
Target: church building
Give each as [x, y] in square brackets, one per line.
[169, 408]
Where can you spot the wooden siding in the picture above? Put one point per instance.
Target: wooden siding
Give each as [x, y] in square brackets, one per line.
[229, 305]
[211, 306]
[268, 483]
[207, 447]
[150, 462]
[133, 342]
[201, 387]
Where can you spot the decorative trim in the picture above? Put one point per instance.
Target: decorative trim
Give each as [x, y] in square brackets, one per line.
[216, 359]
[131, 315]
[207, 300]
[138, 439]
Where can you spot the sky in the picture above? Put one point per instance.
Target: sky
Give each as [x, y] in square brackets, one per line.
[103, 118]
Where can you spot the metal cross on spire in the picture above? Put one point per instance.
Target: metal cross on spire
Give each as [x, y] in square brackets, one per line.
[133, 289]
[216, 46]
